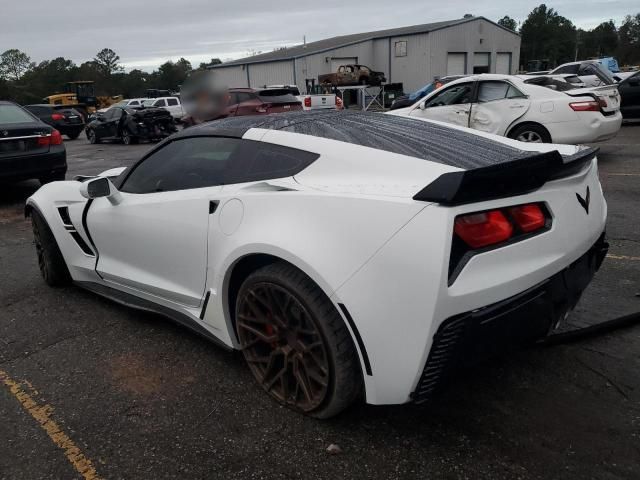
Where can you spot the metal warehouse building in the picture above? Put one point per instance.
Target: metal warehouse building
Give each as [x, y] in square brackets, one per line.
[411, 55]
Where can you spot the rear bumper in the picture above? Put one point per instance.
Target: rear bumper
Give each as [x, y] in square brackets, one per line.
[33, 166]
[520, 319]
[590, 127]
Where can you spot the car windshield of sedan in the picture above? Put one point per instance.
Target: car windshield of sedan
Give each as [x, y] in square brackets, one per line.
[13, 114]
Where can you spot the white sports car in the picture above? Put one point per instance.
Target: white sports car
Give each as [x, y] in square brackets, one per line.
[507, 105]
[343, 253]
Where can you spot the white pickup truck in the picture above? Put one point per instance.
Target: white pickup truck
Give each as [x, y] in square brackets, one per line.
[313, 101]
[172, 104]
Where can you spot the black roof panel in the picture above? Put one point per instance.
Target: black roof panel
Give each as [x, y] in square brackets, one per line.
[396, 134]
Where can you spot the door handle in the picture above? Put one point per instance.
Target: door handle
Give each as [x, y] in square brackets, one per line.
[516, 106]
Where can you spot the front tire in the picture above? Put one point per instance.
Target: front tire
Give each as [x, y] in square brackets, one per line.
[530, 133]
[50, 260]
[296, 343]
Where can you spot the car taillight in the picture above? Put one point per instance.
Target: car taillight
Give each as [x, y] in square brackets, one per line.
[339, 103]
[57, 116]
[528, 217]
[263, 108]
[54, 139]
[590, 106]
[482, 229]
[307, 102]
[602, 102]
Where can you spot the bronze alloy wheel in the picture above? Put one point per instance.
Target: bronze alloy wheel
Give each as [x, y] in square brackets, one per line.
[283, 346]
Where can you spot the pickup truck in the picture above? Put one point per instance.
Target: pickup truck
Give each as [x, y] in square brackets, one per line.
[171, 104]
[352, 75]
[321, 101]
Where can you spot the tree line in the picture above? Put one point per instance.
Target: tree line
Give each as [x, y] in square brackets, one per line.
[547, 35]
[25, 82]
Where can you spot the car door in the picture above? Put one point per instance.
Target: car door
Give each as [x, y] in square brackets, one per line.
[498, 104]
[105, 126]
[451, 105]
[155, 240]
[173, 105]
[630, 97]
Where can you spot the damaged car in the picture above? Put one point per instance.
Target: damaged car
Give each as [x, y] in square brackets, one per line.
[130, 125]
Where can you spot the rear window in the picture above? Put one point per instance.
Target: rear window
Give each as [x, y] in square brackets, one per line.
[277, 95]
[13, 114]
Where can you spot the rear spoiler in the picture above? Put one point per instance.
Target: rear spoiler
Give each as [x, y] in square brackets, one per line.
[508, 179]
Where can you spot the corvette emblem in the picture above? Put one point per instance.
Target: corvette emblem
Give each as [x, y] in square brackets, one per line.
[584, 202]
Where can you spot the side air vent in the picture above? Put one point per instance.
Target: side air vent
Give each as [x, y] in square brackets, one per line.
[81, 243]
[64, 215]
[68, 224]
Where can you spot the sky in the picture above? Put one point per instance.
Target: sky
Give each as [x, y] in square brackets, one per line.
[147, 33]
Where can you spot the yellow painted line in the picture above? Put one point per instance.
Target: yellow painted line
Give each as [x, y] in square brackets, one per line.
[622, 257]
[42, 414]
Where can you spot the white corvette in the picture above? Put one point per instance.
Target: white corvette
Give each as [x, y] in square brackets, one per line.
[343, 253]
[510, 106]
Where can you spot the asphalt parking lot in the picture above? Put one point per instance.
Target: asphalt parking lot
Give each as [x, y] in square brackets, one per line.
[90, 386]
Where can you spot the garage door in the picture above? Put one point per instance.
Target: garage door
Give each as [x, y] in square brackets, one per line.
[456, 63]
[336, 62]
[503, 63]
[480, 63]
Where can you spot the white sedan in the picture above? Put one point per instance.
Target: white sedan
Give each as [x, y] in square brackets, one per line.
[347, 255]
[507, 105]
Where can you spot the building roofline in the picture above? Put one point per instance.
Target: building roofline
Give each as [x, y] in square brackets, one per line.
[374, 36]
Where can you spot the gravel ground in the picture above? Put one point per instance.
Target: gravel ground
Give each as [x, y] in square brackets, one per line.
[140, 397]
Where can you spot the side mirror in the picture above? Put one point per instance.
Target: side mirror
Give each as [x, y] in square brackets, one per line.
[101, 187]
[423, 105]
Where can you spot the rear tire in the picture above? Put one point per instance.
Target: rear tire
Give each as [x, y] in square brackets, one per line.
[530, 133]
[92, 136]
[296, 343]
[73, 136]
[127, 138]
[50, 260]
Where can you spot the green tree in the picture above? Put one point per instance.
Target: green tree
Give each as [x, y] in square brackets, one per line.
[601, 41]
[14, 64]
[629, 40]
[547, 35]
[107, 61]
[214, 61]
[508, 22]
[171, 74]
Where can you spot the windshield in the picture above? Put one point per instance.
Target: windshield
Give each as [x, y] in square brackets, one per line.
[422, 92]
[13, 114]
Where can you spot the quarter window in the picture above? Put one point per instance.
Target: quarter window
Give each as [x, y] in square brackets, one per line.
[172, 101]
